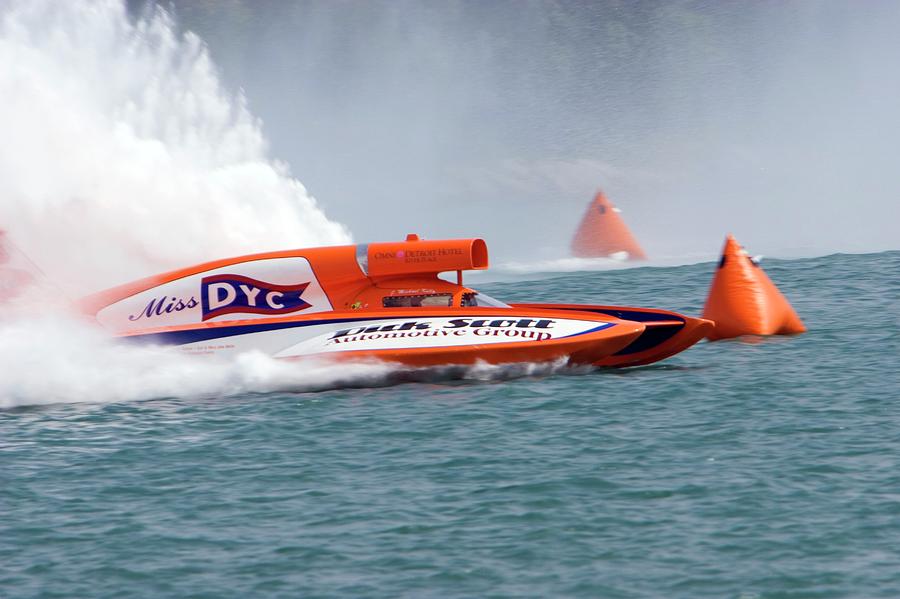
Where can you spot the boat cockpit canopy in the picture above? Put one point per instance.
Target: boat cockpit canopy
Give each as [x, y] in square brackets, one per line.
[418, 301]
[468, 299]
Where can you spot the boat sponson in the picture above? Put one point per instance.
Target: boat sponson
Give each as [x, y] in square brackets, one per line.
[666, 333]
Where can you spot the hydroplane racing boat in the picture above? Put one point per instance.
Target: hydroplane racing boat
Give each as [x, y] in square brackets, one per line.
[383, 301]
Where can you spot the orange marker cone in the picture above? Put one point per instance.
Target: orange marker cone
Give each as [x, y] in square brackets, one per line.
[744, 301]
[602, 233]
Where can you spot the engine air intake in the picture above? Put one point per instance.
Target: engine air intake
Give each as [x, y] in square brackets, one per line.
[416, 256]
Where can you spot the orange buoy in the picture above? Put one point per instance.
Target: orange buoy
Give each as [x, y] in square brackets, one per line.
[744, 301]
[602, 233]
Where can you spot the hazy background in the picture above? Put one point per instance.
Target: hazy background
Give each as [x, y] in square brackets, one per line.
[776, 120]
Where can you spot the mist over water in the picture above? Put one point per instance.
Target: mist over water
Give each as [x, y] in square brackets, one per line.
[772, 120]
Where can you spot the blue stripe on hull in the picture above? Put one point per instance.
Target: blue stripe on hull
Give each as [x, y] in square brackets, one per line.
[601, 327]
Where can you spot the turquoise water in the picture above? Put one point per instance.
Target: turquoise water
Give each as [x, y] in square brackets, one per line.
[758, 469]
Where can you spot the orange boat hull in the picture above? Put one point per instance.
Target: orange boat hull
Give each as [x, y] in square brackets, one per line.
[584, 351]
[665, 333]
[414, 338]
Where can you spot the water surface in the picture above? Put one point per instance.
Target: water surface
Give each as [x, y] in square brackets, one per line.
[755, 468]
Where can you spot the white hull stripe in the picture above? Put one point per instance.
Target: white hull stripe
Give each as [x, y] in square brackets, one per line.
[198, 335]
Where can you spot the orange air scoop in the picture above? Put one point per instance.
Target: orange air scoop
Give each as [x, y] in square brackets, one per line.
[416, 256]
[743, 300]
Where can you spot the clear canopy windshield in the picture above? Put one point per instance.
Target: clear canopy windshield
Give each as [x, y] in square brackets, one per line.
[417, 301]
[483, 300]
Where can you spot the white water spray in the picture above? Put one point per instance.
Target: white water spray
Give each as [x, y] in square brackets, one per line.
[50, 360]
[123, 155]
